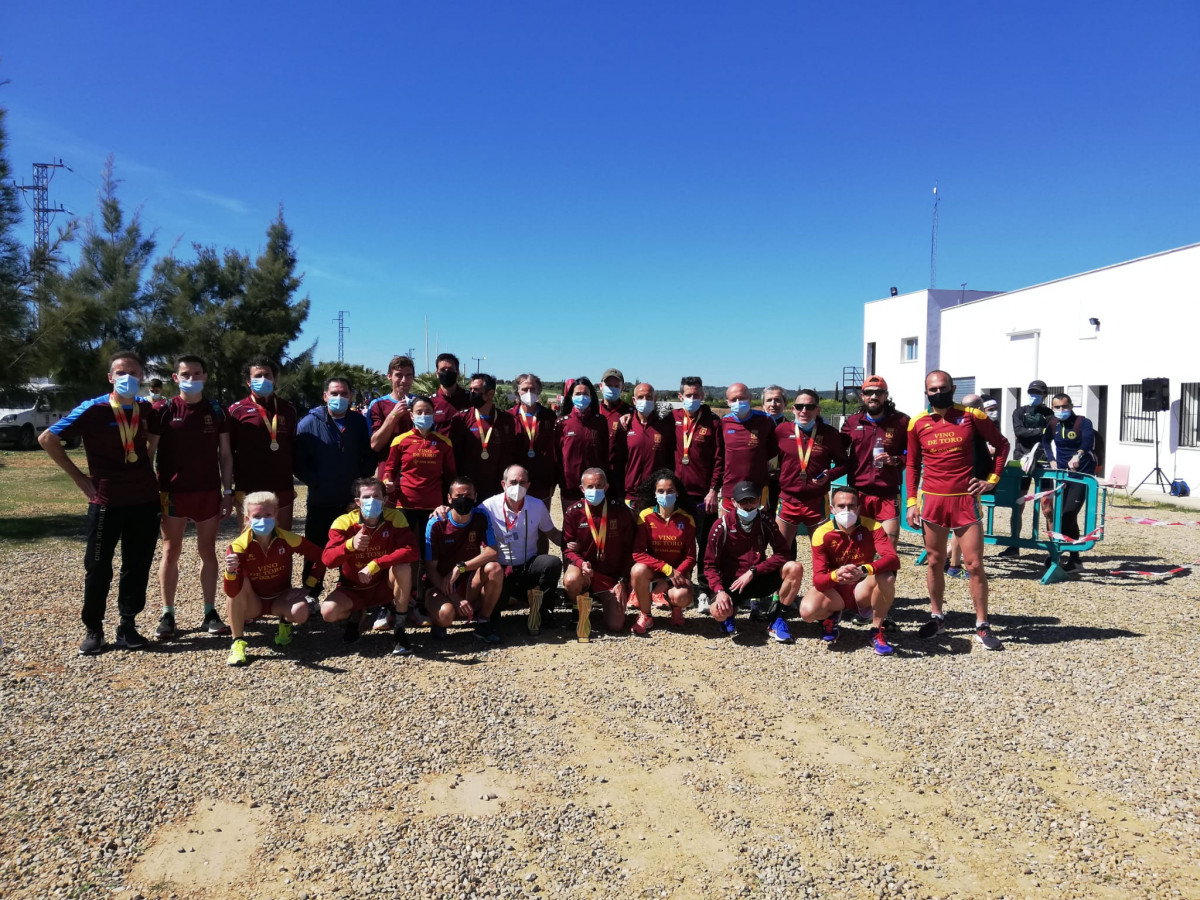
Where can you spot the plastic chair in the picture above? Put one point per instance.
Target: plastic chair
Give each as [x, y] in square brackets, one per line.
[1118, 478]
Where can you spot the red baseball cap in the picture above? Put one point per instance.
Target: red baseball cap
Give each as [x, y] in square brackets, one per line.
[874, 381]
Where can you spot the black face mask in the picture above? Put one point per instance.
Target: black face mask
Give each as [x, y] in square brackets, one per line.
[477, 400]
[941, 400]
[447, 378]
[462, 505]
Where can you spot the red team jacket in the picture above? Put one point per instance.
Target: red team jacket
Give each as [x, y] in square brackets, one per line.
[390, 542]
[945, 444]
[665, 545]
[732, 551]
[270, 569]
[866, 544]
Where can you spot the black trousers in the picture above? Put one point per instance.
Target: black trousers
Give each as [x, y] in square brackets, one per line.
[541, 572]
[135, 528]
[704, 523]
[317, 521]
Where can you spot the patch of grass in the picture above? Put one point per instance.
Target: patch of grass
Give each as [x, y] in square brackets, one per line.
[37, 499]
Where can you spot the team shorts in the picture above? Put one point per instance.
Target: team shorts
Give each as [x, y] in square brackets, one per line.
[367, 596]
[199, 506]
[846, 592]
[291, 595]
[807, 511]
[878, 508]
[957, 511]
[760, 588]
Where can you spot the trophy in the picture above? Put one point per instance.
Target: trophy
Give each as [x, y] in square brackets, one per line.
[584, 630]
[535, 611]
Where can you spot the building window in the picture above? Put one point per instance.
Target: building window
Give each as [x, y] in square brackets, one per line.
[1136, 426]
[908, 349]
[962, 387]
[871, 358]
[1189, 414]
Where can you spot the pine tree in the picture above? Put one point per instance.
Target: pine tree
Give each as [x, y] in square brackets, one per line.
[15, 321]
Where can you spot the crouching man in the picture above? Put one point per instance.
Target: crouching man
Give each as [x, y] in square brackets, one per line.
[854, 569]
[375, 550]
[258, 575]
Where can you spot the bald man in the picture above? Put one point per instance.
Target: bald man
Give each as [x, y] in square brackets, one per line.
[649, 441]
[750, 443]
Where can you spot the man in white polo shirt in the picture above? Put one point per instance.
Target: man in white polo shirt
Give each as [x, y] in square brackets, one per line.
[517, 521]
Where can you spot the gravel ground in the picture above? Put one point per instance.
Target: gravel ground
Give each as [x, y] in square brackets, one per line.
[680, 765]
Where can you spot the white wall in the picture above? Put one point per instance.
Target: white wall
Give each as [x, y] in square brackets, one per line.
[888, 322]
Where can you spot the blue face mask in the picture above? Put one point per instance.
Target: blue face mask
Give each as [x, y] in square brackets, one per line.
[747, 515]
[126, 385]
[645, 407]
[338, 404]
[1063, 414]
[665, 499]
[371, 507]
[1035, 400]
[807, 429]
[190, 386]
[582, 401]
[424, 421]
[262, 386]
[740, 408]
[692, 405]
[262, 526]
[610, 393]
[593, 495]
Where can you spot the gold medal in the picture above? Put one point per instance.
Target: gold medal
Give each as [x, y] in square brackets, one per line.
[131, 457]
[483, 455]
[274, 445]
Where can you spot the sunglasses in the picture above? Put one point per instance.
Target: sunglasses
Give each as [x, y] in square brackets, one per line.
[873, 393]
[806, 406]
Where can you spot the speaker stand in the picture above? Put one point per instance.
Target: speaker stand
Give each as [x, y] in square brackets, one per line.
[1159, 476]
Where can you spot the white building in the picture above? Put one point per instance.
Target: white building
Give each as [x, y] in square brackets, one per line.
[1094, 336]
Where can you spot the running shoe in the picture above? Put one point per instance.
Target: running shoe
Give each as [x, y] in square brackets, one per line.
[416, 618]
[956, 572]
[935, 626]
[880, 644]
[212, 623]
[1010, 553]
[643, 625]
[314, 606]
[703, 603]
[350, 634]
[400, 642]
[830, 629]
[166, 627]
[890, 627]
[237, 654]
[383, 620]
[128, 638]
[1072, 567]
[676, 617]
[728, 627]
[660, 601]
[93, 643]
[865, 613]
[632, 603]
[283, 636]
[757, 613]
[780, 631]
[983, 634]
[437, 632]
[486, 632]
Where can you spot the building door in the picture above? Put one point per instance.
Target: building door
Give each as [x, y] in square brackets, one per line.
[1096, 409]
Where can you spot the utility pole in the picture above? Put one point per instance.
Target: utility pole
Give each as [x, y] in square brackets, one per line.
[478, 360]
[933, 241]
[340, 322]
[43, 213]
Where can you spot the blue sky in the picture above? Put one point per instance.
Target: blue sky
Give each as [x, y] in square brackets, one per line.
[671, 188]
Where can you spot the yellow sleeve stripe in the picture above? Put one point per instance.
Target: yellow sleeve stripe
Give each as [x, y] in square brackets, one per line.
[396, 517]
[343, 522]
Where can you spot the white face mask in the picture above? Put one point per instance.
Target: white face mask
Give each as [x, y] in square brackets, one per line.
[516, 492]
[993, 414]
[645, 407]
[191, 386]
[528, 398]
[845, 517]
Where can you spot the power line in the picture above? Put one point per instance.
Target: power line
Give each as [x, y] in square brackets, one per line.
[43, 212]
[340, 322]
[933, 241]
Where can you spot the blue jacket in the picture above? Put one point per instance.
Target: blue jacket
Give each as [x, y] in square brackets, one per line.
[1070, 436]
[328, 458]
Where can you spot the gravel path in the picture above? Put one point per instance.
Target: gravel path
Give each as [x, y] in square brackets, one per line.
[681, 765]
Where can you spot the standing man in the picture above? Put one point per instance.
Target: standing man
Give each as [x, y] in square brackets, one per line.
[1069, 444]
[519, 522]
[450, 398]
[612, 407]
[812, 456]
[333, 450]
[878, 441]
[941, 462]
[750, 444]
[536, 447]
[195, 481]
[391, 415]
[122, 498]
[598, 533]
[1029, 425]
[484, 438]
[154, 393]
[774, 402]
[700, 465]
[262, 433]
[649, 441]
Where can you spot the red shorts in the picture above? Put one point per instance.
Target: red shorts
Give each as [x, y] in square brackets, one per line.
[878, 508]
[378, 594]
[807, 511]
[846, 592]
[957, 511]
[291, 595]
[199, 506]
[602, 583]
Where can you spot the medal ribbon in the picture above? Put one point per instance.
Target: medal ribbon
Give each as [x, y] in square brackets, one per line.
[689, 431]
[484, 437]
[599, 538]
[127, 427]
[804, 452]
[271, 422]
[531, 433]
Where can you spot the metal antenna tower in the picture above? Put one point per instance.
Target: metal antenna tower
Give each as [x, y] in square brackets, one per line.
[933, 241]
[340, 322]
[43, 212]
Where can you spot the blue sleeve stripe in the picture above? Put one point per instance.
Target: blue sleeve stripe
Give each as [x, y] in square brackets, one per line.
[73, 416]
[489, 535]
[429, 538]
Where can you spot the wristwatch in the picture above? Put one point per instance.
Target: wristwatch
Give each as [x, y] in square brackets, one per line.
[462, 568]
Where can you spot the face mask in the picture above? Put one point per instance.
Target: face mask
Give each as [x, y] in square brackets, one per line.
[593, 495]
[262, 526]
[126, 385]
[528, 398]
[338, 404]
[447, 378]
[611, 394]
[371, 507]
[423, 421]
[665, 500]
[190, 386]
[941, 400]
[746, 515]
[1035, 399]
[692, 404]
[845, 517]
[739, 408]
[477, 400]
[516, 492]
[645, 407]
[993, 414]
[581, 401]
[1063, 414]
[807, 429]
[262, 386]
[155, 395]
[462, 505]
